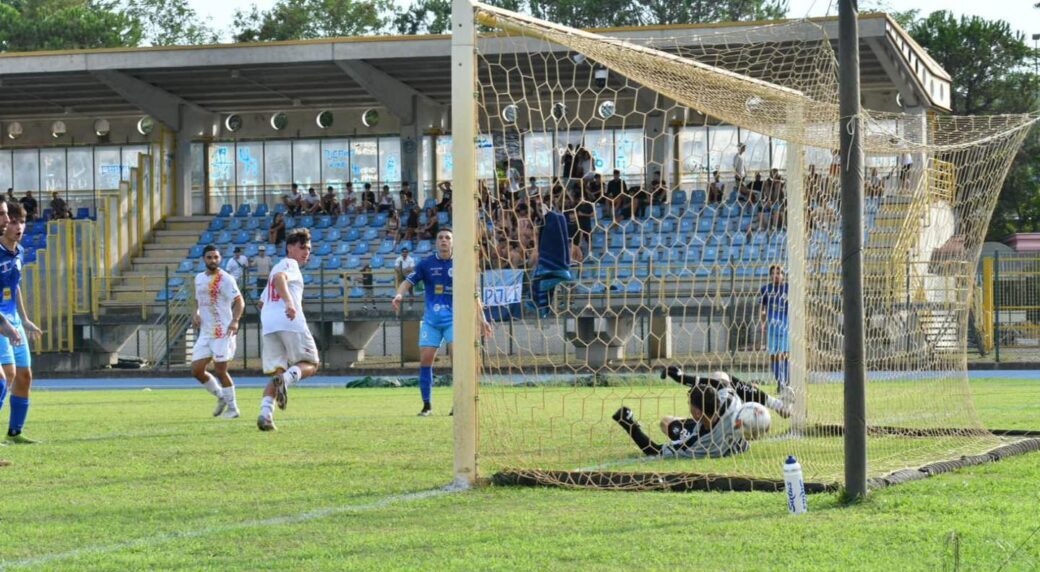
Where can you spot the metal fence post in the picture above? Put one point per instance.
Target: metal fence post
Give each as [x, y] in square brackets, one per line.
[166, 302]
[996, 306]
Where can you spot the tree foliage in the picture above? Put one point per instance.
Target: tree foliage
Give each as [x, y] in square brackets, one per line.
[170, 23]
[303, 19]
[28, 25]
[993, 72]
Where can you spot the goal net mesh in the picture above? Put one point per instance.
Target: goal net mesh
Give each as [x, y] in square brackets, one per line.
[668, 268]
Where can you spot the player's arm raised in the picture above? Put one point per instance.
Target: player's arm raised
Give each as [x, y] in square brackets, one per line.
[281, 285]
[30, 328]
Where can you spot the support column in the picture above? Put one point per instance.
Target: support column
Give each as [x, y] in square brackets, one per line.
[660, 336]
[598, 348]
[656, 132]
[411, 154]
[346, 342]
[410, 340]
[182, 165]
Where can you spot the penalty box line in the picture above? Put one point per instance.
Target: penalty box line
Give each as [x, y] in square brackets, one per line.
[150, 541]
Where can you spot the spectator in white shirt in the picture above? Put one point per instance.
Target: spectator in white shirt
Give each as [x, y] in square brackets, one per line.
[236, 267]
[403, 265]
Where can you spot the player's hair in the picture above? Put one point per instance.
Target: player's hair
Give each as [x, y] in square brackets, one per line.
[298, 236]
[773, 267]
[15, 210]
[209, 248]
[705, 398]
[446, 229]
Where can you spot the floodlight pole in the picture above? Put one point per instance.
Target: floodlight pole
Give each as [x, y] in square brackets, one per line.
[466, 355]
[852, 252]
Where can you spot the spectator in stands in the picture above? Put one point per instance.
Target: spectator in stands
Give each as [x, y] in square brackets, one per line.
[616, 197]
[751, 193]
[771, 204]
[813, 186]
[577, 253]
[658, 190]
[406, 195]
[739, 168]
[261, 265]
[30, 205]
[716, 189]
[329, 202]
[567, 161]
[237, 266]
[582, 163]
[876, 185]
[386, 200]
[311, 202]
[403, 265]
[368, 199]
[906, 165]
[835, 163]
[366, 279]
[429, 230]
[10, 195]
[276, 234]
[410, 230]
[349, 198]
[393, 226]
[532, 185]
[292, 201]
[444, 205]
[59, 208]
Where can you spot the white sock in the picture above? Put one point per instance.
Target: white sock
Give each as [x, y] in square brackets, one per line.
[774, 403]
[229, 396]
[212, 386]
[292, 375]
[267, 407]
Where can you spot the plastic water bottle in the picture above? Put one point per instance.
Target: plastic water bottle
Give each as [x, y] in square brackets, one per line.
[794, 487]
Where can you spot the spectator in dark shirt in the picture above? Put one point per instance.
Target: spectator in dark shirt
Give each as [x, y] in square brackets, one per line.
[445, 205]
[59, 208]
[30, 206]
[276, 234]
[368, 199]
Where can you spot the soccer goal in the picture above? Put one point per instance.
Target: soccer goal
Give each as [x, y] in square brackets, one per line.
[598, 281]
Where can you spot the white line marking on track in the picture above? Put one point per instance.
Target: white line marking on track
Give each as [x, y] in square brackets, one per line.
[275, 521]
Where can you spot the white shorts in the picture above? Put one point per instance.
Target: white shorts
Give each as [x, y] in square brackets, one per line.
[281, 350]
[220, 349]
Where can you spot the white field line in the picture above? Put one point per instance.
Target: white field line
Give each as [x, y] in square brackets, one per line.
[150, 541]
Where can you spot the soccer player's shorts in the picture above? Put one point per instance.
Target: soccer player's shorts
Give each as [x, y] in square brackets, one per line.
[431, 335]
[282, 350]
[777, 341]
[17, 355]
[221, 350]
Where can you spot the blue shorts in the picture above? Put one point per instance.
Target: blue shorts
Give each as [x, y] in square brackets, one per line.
[431, 335]
[777, 341]
[17, 355]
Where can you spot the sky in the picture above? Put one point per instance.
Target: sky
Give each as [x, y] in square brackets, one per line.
[1021, 13]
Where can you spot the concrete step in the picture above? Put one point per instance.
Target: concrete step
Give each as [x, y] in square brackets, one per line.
[167, 234]
[166, 250]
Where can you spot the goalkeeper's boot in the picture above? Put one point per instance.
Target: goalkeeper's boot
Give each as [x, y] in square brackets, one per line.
[265, 424]
[672, 371]
[19, 439]
[232, 412]
[221, 406]
[427, 410]
[281, 394]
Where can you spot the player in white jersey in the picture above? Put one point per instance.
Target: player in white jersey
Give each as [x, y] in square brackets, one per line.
[289, 352]
[218, 307]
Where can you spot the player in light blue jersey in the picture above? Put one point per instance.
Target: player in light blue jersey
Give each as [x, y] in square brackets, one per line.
[775, 325]
[16, 360]
[435, 273]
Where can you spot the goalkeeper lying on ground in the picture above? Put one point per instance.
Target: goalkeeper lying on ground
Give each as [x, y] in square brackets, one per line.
[710, 431]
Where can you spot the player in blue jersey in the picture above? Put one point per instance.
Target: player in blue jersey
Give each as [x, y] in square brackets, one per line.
[775, 326]
[435, 273]
[16, 360]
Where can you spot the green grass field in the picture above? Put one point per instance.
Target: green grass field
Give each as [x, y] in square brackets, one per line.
[131, 480]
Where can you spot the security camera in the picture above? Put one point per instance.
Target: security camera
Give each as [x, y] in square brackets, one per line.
[600, 75]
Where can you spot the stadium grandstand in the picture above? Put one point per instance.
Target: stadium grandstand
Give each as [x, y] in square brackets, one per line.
[140, 157]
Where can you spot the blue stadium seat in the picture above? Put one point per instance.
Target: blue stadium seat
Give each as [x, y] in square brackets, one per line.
[731, 210]
[667, 225]
[705, 224]
[698, 198]
[308, 279]
[332, 235]
[384, 280]
[47, 214]
[317, 235]
[593, 288]
[30, 255]
[83, 213]
[423, 219]
[353, 263]
[242, 237]
[291, 222]
[737, 239]
[343, 248]
[175, 282]
[386, 247]
[314, 263]
[333, 263]
[357, 292]
[185, 267]
[306, 221]
[38, 241]
[679, 197]
[225, 211]
[377, 262]
[323, 221]
[253, 224]
[353, 235]
[252, 249]
[261, 210]
[324, 250]
[379, 221]
[405, 244]
[243, 210]
[217, 224]
[343, 221]
[361, 221]
[598, 241]
[163, 296]
[750, 253]
[360, 249]
[424, 247]
[235, 224]
[443, 218]
[370, 235]
[657, 211]
[279, 209]
[687, 226]
[430, 203]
